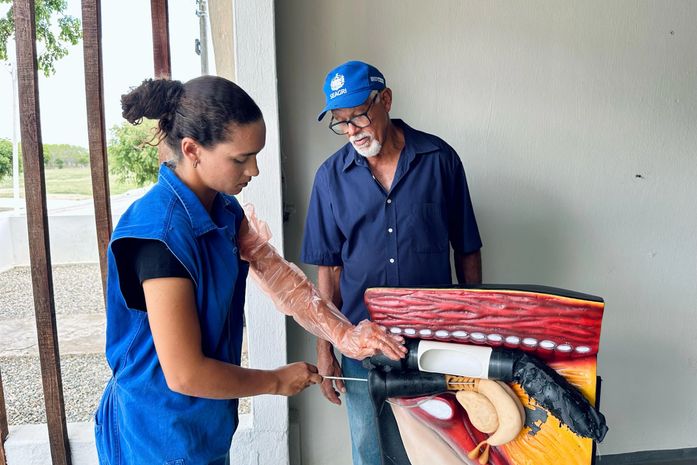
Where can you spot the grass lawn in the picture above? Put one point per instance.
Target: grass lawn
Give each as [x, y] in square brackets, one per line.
[70, 183]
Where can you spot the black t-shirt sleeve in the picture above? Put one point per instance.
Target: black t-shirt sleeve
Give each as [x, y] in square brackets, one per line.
[141, 259]
[152, 259]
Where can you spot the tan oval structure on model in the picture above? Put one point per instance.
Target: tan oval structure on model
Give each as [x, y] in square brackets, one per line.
[508, 410]
[480, 411]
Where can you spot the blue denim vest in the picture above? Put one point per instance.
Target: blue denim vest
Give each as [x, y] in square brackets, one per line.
[139, 419]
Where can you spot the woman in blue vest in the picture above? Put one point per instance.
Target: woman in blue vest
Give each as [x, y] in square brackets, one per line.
[178, 262]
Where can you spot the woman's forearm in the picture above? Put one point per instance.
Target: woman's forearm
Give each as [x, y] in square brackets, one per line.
[214, 379]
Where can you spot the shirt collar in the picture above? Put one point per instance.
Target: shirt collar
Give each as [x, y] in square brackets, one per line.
[201, 220]
[415, 143]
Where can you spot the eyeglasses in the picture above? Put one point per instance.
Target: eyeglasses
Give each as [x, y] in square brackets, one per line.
[360, 121]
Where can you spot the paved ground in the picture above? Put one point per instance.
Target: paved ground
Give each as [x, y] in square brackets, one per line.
[80, 321]
[68, 206]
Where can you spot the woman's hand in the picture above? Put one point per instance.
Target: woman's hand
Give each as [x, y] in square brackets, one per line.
[367, 339]
[294, 378]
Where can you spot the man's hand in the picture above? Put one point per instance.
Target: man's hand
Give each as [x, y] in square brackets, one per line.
[328, 365]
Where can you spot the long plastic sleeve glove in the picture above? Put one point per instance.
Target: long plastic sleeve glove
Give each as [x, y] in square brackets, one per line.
[294, 294]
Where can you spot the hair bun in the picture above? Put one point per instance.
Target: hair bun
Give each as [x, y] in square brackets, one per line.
[153, 99]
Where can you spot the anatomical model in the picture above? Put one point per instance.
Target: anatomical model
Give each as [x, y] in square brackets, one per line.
[504, 375]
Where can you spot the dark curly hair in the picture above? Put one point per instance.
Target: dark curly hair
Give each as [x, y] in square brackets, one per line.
[202, 109]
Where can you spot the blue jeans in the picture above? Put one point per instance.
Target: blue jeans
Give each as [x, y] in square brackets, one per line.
[365, 448]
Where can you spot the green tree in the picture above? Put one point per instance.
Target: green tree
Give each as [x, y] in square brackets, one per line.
[5, 158]
[54, 41]
[132, 155]
[60, 155]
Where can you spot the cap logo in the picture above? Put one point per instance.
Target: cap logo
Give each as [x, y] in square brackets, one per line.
[377, 79]
[337, 82]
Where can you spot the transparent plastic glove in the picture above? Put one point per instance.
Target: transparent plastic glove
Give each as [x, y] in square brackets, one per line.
[295, 295]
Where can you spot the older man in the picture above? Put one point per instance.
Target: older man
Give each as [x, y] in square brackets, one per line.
[384, 211]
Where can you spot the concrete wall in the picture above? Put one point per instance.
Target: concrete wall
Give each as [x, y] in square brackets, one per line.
[576, 122]
[7, 259]
[73, 240]
[29, 444]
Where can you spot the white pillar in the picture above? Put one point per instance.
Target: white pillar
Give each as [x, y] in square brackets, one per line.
[255, 70]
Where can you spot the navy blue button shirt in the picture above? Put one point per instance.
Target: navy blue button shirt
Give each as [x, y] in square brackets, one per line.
[396, 238]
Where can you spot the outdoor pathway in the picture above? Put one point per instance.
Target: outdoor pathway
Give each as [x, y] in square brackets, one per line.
[67, 206]
[78, 334]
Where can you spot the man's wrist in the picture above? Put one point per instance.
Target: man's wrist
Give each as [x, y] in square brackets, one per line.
[323, 345]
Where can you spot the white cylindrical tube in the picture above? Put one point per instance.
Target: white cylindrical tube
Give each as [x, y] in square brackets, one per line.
[454, 359]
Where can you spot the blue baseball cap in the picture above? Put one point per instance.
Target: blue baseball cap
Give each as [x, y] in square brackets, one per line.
[349, 85]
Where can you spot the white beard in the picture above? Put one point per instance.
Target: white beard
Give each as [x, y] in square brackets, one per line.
[371, 150]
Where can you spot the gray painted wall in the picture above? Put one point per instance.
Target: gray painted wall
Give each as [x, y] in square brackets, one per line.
[577, 125]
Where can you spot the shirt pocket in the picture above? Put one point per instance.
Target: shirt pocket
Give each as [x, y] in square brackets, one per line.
[99, 440]
[430, 228]
[106, 441]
